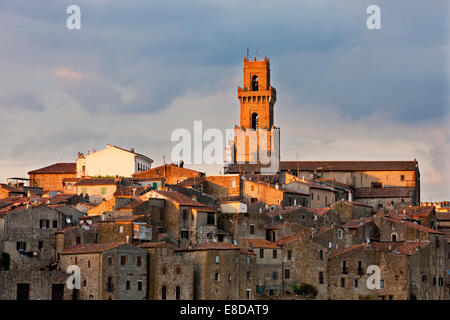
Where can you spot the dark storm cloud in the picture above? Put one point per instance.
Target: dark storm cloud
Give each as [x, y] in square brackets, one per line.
[164, 48]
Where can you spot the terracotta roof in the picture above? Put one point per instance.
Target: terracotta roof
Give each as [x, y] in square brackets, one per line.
[179, 198]
[91, 248]
[331, 166]
[413, 225]
[287, 240]
[385, 192]
[57, 168]
[342, 250]
[165, 166]
[259, 243]
[128, 191]
[151, 244]
[12, 188]
[415, 211]
[356, 223]
[404, 248]
[318, 211]
[443, 215]
[135, 153]
[191, 182]
[211, 246]
[96, 182]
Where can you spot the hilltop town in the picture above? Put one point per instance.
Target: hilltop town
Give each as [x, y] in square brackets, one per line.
[309, 230]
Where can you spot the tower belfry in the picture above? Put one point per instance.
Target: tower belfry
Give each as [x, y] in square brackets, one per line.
[254, 138]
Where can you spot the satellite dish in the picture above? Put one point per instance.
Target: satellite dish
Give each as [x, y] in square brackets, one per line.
[235, 242]
[68, 220]
[281, 217]
[244, 225]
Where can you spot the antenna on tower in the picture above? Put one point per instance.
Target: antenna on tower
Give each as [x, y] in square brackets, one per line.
[256, 53]
[248, 53]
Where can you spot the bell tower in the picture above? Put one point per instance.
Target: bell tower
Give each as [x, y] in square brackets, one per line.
[257, 97]
[256, 139]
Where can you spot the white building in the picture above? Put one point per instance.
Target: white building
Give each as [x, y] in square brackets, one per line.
[112, 161]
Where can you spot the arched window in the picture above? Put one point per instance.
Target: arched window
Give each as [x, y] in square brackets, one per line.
[255, 121]
[255, 83]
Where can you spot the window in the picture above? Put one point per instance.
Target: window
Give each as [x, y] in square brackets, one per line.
[163, 293]
[78, 240]
[55, 224]
[441, 282]
[217, 259]
[340, 234]
[109, 261]
[123, 260]
[402, 177]
[289, 255]
[164, 270]
[380, 206]
[249, 275]
[109, 285]
[249, 294]
[287, 274]
[344, 267]
[217, 276]
[355, 283]
[261, 253]
[394, 237]
[360, 268]
[89, 263]
[138, 261]
[233, 183]
[376, 184]
[184, 234]
[312, 196]
[177, 292]
[321, 254]
[178, 270]
[128, 284]
[248, 259]
[271, 292]
[139, 285]
[103, 190]
[252, 229]
[236, 260]
[274, 255]
[120, 229]
[21, 246]
[40, 245]
[255, 83]
[391, 297]
[211, 218]
[275, 275]
[44, 224]
[434, 281]
[342, 282]
[320, 277]
[381, 283]
[254, 121]
[229, 278]
[184, 214]
[424, 278]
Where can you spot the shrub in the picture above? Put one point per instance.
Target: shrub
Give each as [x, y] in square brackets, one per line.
[305, 289]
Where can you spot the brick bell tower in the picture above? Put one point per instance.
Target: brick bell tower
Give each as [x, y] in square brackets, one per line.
[254, 138]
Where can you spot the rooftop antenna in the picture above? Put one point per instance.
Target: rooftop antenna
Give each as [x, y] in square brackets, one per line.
[256, 53]
[248, 53]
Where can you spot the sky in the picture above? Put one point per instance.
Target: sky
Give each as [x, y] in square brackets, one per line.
[138, 70]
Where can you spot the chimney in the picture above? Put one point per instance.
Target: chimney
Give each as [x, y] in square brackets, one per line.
[132, 150]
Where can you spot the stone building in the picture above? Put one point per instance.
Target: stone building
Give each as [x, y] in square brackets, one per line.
[51, 178]
[216, 270]
[304, 261]
[247, 275]
[409, 270]
[27, 234]
[255, 191]
[170, 276]
[352, 210]
[34, 285]
[187, 220]
[111, 162]
[171, 173]
[382, 198]
[109, 271]
[269, 279]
